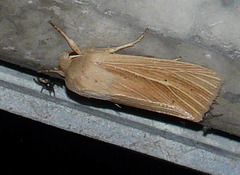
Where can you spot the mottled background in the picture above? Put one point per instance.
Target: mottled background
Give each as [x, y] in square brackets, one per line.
[202, 32]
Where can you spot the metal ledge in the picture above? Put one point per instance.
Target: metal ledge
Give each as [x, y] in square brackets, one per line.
[213, 154]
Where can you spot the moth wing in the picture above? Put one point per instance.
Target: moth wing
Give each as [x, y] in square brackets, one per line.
[166, 86]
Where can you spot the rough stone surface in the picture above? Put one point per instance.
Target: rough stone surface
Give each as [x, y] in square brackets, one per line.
[202, 32]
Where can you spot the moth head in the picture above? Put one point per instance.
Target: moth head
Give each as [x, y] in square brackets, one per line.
[66, 59]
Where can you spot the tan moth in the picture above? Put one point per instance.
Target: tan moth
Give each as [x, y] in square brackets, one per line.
[170, 87]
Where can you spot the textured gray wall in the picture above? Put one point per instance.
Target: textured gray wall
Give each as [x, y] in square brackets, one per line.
[202, 32]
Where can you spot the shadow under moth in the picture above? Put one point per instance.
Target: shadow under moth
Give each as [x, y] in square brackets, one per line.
[170, 87]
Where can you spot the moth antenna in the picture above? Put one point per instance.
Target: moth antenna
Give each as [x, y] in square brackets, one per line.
[70, 42]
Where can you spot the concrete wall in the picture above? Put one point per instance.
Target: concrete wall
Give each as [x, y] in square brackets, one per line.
[202, 32]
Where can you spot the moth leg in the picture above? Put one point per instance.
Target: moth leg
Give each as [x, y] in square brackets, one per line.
[71, 43]
[115, 49]
[60, 72]
[177, 59]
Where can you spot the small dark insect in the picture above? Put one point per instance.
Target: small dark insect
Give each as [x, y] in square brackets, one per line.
[46, 84]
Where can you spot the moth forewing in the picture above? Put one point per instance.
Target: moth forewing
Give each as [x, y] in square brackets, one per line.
[165, 86]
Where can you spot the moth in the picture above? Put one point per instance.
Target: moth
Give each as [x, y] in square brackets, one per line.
[170, 87]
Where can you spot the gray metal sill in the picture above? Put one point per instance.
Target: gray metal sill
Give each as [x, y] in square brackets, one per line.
[188, 147]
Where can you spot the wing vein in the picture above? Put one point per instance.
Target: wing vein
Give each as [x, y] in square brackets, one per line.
[195, 84]
[160, 82]
[189, 105]
[136, 92]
